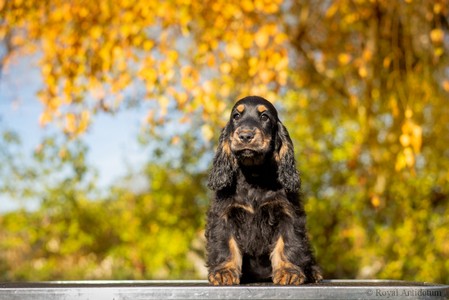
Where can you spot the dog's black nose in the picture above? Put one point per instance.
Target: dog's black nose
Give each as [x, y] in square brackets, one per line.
[246, 136]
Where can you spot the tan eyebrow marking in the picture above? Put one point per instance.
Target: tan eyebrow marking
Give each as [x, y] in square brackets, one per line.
[261, 108]
[240, 108]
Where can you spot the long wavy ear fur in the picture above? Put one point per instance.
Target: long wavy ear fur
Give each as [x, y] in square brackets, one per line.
[224, 164]
[285, 156]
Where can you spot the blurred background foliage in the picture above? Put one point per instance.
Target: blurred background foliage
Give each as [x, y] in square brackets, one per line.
[362, 86]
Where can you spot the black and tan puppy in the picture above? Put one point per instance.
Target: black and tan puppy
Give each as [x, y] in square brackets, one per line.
[256, 225]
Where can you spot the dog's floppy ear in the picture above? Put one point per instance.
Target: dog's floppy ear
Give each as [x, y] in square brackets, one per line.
[285, 157]
[224, 164]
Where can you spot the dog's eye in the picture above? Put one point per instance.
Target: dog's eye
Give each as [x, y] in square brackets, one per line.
[236, 116]
[264, 118]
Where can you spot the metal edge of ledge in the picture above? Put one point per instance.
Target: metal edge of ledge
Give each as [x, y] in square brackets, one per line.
[199, 289]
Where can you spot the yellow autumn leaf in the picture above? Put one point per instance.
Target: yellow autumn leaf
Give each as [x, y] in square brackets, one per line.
[437, 35]
[207, 132]
[188, 82]
[438, 51]
[367, 55]
[149, 119]
[225, 68]
[409, 157]
[175, 140]
[404, 140]
[83, 122]
[95, 32]
[181, 99]
[235, 50]
[262, 37]
[408, 115]
[445, 85]
[259, 4]
[400, 162]
[344, 58]
[163, 103]
[70, 123]
[148, 45]
[247, 5]
[386, 62]
[63, 153]
[208, 87]
[332, 9]
[353, 100]
[266, 75]
[363, 72]
[417, 138]
[272, 7]
[375, 201]
[210, 61]
[45, 118]
[172, 56]
[282, 77]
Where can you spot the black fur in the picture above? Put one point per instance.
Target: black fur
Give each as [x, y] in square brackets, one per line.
[256, 225]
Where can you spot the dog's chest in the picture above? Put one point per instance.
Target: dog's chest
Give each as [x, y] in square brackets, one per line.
[256, 215]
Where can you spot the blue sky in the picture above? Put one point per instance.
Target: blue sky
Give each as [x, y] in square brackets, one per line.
[112, 140]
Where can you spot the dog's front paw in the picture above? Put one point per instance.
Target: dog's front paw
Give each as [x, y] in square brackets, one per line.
[226, 276]
[288, 276]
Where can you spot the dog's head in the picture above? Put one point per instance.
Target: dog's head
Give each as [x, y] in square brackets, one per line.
[254, 135]
[252, 128]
